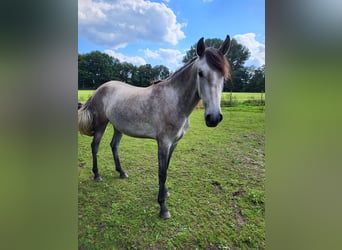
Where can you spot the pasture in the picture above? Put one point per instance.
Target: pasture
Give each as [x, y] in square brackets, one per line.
[216, 180]
[228, 99]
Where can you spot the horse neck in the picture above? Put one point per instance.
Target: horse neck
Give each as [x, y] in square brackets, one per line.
[185, 83]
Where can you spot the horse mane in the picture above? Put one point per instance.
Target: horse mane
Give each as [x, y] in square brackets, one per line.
[214, 58]
[218, 61]
[185, 66]
[156, 81]
[177, 72]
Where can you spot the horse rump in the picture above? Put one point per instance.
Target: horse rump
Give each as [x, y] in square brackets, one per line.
[85, 119]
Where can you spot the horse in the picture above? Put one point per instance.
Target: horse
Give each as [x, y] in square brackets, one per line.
[160, 111]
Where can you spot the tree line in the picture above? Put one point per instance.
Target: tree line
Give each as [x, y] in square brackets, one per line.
[96, 68]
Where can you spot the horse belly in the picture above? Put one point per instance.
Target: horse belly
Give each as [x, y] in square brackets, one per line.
[133, 125]
[141, 130]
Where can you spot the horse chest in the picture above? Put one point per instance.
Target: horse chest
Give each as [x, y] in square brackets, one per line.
[175, 131]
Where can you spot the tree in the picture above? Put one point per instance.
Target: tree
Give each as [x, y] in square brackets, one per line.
[256, 82]
[160, 72]
[126, 72]
[237, 56]
[145, 75]
[116, 68]
[94, 69]
[84, 80]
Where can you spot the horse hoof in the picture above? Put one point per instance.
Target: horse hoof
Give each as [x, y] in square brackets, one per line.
[123, 176]
[165, 215]
[98, 179]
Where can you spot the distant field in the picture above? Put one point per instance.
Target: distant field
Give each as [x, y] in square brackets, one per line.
[244, 95]
[216, 179]
[236, 98]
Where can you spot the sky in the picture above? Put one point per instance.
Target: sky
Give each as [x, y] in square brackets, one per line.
[160, 32]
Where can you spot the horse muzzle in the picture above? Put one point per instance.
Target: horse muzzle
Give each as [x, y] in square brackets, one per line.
[213, 120]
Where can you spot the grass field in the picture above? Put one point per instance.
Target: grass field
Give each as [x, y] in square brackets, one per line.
[228, 99]
[83, 95]
[216, 180]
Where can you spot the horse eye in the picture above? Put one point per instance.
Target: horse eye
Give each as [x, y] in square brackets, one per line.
[200, 73]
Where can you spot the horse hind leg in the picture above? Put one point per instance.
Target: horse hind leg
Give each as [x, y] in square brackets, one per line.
[114, 144]
[94, 149]
[164, 154]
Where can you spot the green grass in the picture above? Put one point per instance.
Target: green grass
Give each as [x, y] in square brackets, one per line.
[216, 180]
[83, 95]
[228, 99]
[235, 99]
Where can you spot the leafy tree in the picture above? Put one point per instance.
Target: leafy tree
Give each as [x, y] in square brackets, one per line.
[126, 72]
[160, 72]
[237, 57]
[94, 68]
[84, 80]
[116, 68]
[145, 75]
[256, 82]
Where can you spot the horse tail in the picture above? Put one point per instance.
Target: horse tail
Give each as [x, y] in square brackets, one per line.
[86, 119]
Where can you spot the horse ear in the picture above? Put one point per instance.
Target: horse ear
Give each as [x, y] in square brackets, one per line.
[200, 47]
[224, 48]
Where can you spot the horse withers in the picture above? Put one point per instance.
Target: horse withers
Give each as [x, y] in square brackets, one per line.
[160, 111]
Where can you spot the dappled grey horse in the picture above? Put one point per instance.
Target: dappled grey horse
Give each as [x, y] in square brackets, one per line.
[160, 111]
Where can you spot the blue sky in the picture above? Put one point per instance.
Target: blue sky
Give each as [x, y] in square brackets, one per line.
[160, 32]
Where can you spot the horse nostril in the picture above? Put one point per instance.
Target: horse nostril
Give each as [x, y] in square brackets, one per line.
[213, 120]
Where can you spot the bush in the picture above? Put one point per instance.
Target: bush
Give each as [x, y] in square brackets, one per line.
[254, 102]
[229, 100]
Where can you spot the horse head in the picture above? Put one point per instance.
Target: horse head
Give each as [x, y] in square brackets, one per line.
[212, 69]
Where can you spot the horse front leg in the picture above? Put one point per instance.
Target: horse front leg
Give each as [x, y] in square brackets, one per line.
[164, 154]
[173, 146]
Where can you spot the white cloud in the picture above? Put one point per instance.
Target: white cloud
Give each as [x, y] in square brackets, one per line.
[168, 57]
[135, 60]
[151, 54]
[118, 22]
[256, 48]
